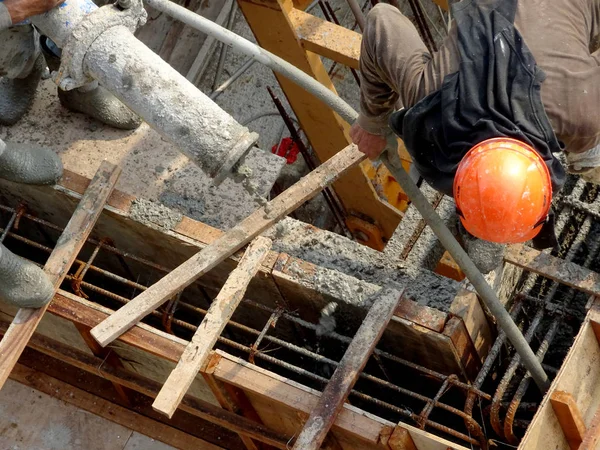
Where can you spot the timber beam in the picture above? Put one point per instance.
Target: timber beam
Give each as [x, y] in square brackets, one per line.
[326, 131]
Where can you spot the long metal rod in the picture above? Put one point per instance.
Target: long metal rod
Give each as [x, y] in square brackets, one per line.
[238, 73]
[244, 46]
[505, 322]
[358, 14]
[223, 54]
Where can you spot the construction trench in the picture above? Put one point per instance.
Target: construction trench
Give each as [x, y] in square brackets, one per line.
[441, 376]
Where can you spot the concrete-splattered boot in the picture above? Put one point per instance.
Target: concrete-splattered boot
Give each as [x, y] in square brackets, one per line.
[92, 99]
[22, 283]
[17, 94]
[29, 164]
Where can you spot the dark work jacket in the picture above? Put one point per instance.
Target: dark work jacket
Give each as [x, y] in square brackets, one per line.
[494, 93]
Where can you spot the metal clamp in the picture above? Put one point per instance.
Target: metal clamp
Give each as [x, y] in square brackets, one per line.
[71, 73]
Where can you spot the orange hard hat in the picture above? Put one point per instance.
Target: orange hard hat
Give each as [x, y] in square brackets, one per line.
[503, 191]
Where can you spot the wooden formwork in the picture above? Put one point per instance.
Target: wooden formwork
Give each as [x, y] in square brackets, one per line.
[569, 416]
[148, 354]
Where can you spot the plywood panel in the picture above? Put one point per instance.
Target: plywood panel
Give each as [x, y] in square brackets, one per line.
[580, 377]
[51, 326]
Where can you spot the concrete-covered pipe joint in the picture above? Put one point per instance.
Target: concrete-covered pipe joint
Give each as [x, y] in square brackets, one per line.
[102, 41]
[60, 22]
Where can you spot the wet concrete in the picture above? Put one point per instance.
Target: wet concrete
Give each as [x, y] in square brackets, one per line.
[337, 253]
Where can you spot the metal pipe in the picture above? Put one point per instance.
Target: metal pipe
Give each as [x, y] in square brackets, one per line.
[488, 296]
[149, 86]
[358, 14]
[238, 73]
[223, 54]
[265, 57]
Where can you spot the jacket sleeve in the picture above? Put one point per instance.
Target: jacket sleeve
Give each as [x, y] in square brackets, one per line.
[392, 63]
[5, 20]
[377, 98]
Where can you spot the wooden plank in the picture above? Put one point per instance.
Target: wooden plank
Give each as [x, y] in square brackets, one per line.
[591, 439]
[277, 392]
[554, 268]
[579, 376]
[198, 408]
[401, 439]
[222, 308]
[355, 358]
[325, 130]
[231, 399]
[430, 318]
[569, 416]
[466, 306]
[68, 246]
[143, 336]
[327, 39]
[463, 348]
[226, 245]
[110, 411]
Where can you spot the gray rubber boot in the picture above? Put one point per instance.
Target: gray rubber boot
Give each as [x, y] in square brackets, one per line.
[101, 105]
[29, 164]
[92, 100]
[17, 94]
[486, 255]
[22, 283]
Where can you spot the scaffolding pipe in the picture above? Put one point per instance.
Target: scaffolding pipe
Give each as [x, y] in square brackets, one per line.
[265, 57]
[358, 14]
[505, 322]
[149, 86]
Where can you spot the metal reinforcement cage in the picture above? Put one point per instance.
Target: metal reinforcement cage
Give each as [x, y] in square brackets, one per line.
[276, 343]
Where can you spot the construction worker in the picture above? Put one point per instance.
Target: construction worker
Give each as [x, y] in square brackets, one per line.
[22, 283]
[513, 84]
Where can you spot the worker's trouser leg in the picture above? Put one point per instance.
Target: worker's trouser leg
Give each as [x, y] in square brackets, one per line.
[396, 67]
[560, 33]
[19, 49]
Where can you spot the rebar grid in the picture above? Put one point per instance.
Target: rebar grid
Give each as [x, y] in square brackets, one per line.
[262, 342]
[541, 307]
[394, 406]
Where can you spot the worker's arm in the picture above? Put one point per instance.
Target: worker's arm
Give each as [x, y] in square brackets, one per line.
[16, 11]
[377, 96]
[392, 62]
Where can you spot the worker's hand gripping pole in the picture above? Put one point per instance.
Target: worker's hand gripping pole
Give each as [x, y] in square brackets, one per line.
[392, 161]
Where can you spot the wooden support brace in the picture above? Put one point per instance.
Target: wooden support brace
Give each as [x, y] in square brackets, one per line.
[150, 388]
[222, 308]
[569, 417]
[232, 399]
[554, 268]
[327, 39]
[325, 130]
[230, 242]
[333, 397]
[591, 438]
[401, 440]
[68, 246]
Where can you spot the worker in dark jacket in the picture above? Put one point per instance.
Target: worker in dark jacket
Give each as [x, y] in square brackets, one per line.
[515, 82]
